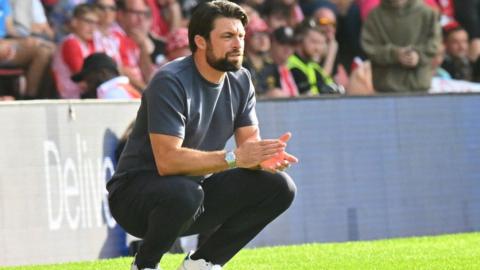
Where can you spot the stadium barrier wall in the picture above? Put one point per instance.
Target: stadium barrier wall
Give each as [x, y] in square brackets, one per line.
[370, 168]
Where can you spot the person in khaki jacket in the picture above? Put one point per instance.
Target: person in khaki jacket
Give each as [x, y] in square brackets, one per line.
[401, 37]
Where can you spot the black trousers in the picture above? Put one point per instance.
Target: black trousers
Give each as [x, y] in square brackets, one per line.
[158, 209]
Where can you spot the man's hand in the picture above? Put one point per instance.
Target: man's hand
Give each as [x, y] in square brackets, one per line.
[251, 153]
[408, 57]
[280, 161]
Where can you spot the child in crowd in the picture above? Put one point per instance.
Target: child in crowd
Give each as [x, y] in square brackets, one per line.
[74, 48]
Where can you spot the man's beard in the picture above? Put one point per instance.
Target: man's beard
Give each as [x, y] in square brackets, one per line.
[222, 63]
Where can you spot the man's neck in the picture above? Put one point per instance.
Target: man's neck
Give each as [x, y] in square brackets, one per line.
[208, 72]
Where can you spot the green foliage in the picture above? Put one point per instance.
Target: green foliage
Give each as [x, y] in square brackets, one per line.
[457, 251]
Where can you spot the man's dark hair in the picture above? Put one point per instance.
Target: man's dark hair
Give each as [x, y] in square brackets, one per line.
[450, 29]
[302, 29]
[80, 10]
[204, 15]
[95, 78]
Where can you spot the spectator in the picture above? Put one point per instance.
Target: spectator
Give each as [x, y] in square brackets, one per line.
[177, 44]
[60, 16]
[309, 6]
[349, 26]
[327, 22]
[257, 60]
[309, 76]
[103, 80]
[30, 54]
[295, 13]
[74, 48]
[442, 82]
[283, 43]
[134, 18]
[30, 19]
[105, 38]
[456, 60]
[166, 16]
[467, 12]
[401, 37]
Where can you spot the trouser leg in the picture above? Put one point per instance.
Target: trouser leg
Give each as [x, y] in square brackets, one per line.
[241, 202]
[156, 209]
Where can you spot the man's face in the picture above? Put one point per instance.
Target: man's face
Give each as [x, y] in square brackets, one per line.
[108, 10]
[224, 48]
[456, 44]
[313, 45]
[327, 21]
[135, 16]
[258, 43]
[397, 3]
[281, 52]
[84, 25]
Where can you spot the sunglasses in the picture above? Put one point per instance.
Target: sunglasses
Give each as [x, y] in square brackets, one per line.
[326, 22]
[89, 21]
[107, 7]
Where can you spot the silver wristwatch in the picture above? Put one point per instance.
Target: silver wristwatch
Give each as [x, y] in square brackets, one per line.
[231, 159]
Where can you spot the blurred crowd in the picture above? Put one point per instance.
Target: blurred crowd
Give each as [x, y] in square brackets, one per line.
[111, 48]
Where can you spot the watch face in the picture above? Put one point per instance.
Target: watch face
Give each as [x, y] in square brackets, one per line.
[230, 158]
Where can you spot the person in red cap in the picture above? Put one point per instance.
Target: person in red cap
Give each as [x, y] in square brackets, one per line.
[258, 61]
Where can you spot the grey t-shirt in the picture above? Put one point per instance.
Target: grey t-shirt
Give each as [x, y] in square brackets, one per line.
[180, 102]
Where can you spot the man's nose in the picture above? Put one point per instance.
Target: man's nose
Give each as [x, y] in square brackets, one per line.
[238, 42]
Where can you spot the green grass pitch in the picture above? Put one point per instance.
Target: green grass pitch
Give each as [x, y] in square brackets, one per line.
[456, 251]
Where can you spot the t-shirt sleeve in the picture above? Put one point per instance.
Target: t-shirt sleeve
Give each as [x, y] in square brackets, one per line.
[166, 106]
[72, 55]
[38, 12]
[247, 115]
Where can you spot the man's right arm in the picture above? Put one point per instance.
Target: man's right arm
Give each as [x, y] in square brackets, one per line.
[173, 159]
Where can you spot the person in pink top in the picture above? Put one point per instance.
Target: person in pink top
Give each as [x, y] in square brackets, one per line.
[74, 48]
[134, 18]
[104, 37]
[166, 16]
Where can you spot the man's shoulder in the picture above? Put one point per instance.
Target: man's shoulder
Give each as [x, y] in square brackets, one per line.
[177, 67]
[242, 74]
[179, 72]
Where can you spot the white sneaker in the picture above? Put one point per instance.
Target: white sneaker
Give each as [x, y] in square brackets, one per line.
[200, 264]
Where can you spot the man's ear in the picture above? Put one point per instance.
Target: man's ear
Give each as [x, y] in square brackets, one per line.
[201, 42]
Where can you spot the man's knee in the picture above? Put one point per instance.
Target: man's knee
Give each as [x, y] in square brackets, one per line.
[287, 188]
[283, 186]
[187, 197]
